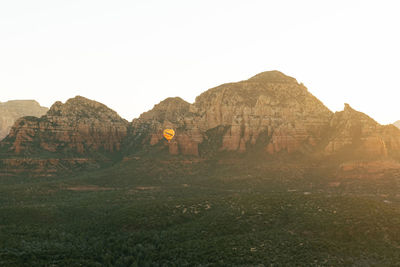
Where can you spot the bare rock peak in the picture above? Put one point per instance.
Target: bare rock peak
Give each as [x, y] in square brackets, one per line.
[172, 101]
[80, 106]
[350, 113]
[273, 76]
[347, 107]
[77, 101]
[168, 109]
[349, 110]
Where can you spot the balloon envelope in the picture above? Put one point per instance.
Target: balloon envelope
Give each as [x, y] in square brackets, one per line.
[169, 134]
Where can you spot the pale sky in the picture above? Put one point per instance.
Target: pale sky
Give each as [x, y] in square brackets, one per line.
[132, 54]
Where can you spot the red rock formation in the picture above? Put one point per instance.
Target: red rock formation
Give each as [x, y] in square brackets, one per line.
[270, 112]
[171, 113]
[79, 128]
[270, 102]
[358, 134]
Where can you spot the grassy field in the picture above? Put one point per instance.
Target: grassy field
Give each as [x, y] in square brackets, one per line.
[199, 213]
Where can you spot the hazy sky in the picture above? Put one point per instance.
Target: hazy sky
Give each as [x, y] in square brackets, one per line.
[132, 54]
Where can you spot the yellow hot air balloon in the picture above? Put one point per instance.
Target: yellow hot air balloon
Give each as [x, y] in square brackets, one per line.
[169, 134]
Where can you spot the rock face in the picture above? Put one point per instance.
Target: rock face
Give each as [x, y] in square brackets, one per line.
[170, 113]
[81, 128]
[357, 134]
[10, 111]
[270, 109]
[273, 113]
[270, 113]
[269, 104]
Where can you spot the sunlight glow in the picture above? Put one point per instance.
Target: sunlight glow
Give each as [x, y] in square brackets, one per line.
[131, 55]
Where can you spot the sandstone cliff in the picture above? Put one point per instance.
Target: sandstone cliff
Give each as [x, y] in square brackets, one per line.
[10, 111]
[79, 131]
[270, 114]
[273, 113]
[270, 109]
[170, 113]
[356, 134]
[269, 104]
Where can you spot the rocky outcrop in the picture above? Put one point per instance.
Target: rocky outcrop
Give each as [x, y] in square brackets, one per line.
[270, 109]
[358, 135]
[270, 104]
[170, 113]
[10, 111]
[270, 114]
[397, 124]
[80, 128]
[273, 113]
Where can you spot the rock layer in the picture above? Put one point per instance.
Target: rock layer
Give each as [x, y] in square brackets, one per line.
[170, 113]
[357, 134]
[269, 113]
[80, 128]
[269, 106]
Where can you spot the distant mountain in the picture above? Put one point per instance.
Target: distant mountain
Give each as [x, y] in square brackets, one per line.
[270, 115]
[12, 110]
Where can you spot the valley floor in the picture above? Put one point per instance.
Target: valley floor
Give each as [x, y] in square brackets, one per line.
[199, 214]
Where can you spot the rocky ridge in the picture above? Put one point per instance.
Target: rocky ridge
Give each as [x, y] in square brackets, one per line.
[79, 132]
[355, 132]
[270, 108]
[270, 113]
[276, 114]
